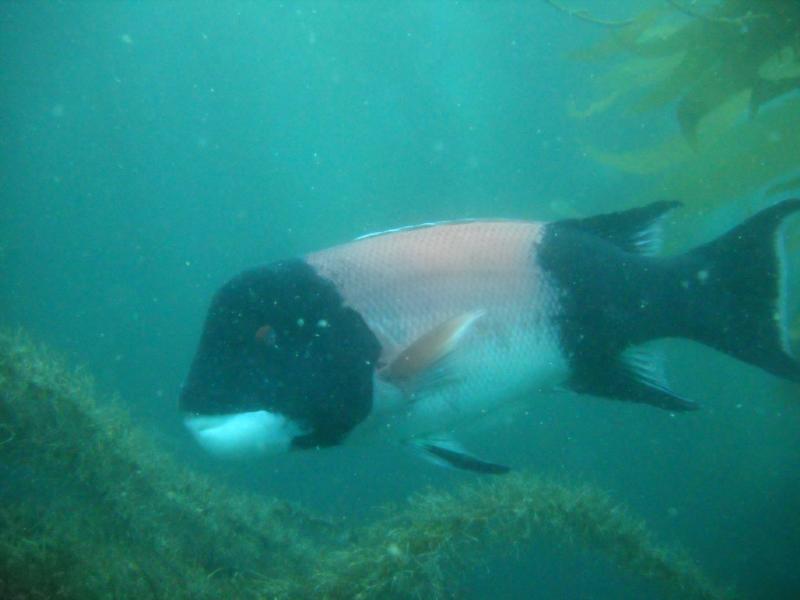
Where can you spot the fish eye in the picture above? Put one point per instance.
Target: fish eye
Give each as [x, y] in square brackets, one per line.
[265, 335]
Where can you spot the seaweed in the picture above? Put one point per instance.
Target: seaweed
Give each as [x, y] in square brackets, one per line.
[145, 525]
[412, 554]
[729, 71]
[98, 510]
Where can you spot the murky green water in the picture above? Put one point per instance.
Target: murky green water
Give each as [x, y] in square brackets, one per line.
[152, 150]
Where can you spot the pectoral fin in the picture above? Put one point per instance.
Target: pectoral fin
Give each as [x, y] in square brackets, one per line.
[423, 362]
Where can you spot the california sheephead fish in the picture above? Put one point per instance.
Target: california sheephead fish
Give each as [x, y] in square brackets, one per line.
[411, 333]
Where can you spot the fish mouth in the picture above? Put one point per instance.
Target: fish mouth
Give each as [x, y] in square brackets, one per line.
[244, 434]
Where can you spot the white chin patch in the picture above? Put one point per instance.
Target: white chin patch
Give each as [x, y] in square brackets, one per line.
[243, 434]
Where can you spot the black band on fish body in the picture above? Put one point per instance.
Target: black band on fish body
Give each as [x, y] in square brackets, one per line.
[279, 338]
[610, 299]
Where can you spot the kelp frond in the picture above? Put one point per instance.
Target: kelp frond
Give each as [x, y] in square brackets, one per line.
[730, 73]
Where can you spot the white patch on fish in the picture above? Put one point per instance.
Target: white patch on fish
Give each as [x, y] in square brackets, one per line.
[242, 435]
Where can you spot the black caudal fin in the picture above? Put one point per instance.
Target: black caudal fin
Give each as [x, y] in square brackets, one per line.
[735, 298]
[728, 294]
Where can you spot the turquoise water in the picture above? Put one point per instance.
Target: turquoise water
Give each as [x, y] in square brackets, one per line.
[152, 150]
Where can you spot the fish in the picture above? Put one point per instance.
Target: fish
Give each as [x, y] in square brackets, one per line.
[408, 335]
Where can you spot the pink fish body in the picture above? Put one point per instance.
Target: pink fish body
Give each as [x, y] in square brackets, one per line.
[406, 283]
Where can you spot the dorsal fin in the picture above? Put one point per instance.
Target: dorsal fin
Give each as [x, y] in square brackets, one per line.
[636, 230]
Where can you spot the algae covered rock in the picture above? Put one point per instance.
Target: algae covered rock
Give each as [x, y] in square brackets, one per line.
[93, 508]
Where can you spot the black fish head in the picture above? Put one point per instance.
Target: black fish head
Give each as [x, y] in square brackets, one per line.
[278, 340]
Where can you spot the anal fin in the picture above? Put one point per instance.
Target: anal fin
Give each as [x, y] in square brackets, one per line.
[633, 376]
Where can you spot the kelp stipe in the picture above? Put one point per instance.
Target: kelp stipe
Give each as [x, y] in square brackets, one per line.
[97, 510]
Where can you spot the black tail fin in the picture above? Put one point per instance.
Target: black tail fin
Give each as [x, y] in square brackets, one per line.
[736, 293]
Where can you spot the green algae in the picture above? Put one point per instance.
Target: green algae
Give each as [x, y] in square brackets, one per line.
[98, 510]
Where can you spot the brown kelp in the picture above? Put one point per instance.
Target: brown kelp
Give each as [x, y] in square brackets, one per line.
[93, 508]
[729, 71]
